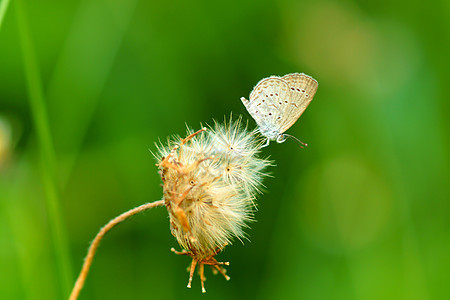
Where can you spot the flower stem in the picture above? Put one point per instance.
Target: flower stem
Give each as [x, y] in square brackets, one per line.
[95, 243]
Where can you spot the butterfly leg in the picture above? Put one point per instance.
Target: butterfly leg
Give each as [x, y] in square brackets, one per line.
[266, 144]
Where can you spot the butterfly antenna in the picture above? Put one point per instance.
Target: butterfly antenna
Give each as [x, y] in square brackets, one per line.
[300, 143]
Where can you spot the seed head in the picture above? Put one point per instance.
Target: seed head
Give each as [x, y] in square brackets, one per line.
[210, 179]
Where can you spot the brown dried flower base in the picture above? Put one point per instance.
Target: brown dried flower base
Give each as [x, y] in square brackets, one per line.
[210, 260]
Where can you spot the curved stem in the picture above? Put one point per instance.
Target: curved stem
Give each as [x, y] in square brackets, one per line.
[94, 245]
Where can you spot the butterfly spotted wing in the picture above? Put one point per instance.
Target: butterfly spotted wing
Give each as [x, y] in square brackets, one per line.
[268, 104]
[302, 89]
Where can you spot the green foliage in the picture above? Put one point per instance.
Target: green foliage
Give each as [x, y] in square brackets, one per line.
[86, 87]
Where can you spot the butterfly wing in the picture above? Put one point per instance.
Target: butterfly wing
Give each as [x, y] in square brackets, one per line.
[302, 89]
[268, 103]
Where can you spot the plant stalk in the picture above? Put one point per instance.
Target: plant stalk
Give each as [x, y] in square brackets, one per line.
[96, 242]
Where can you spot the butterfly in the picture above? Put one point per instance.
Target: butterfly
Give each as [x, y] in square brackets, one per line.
[276, 103]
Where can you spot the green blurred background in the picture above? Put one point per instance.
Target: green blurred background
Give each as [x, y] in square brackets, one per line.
[88, 86]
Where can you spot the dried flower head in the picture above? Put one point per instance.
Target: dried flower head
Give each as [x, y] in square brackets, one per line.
[210, 179]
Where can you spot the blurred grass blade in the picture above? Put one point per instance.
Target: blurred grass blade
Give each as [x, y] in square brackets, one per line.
[47, 155]
[3, 8]
[81, 71]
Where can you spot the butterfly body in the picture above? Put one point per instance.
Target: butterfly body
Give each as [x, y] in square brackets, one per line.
[276, 103]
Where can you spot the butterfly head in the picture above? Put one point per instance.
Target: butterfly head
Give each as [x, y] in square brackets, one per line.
[281, 138]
